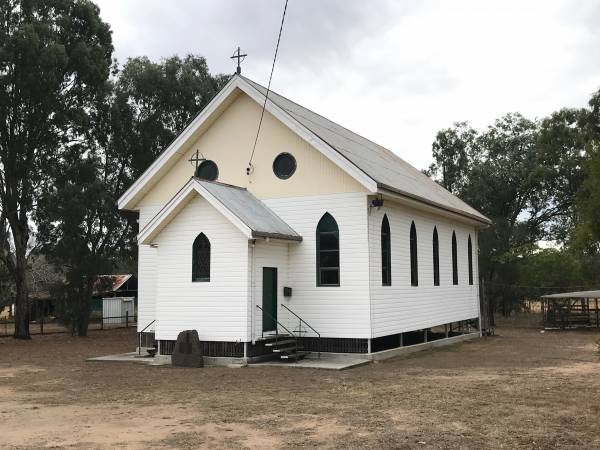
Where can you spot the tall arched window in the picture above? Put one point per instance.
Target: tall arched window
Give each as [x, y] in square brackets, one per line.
[414, 265]
[386, 253]
[454, 260]
[470, 256]
[436, 258]
[328, 252]
[201, 258]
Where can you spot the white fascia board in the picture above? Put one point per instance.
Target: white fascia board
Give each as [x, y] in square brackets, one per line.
[146, 235]
[307, 135]
[125, 199]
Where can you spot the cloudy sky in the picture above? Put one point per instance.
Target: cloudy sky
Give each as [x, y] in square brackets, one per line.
[393, 71]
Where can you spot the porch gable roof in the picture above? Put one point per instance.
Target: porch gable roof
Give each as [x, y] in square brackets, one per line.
[250, 215]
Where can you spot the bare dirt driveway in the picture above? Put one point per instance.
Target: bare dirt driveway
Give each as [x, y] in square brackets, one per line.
[520, 389]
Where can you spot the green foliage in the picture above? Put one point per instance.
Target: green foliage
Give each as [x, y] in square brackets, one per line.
[551, 270]
[80, 228]
[452, 153]
[588, 198]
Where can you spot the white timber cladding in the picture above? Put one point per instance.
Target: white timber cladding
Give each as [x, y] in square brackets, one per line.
[147, 275]
[341, 311]
[217, 309]
[401, 307]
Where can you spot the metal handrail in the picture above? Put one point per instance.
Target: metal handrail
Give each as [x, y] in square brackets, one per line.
[309, 326]
[140, 336]
[276, 321]
[294, 337]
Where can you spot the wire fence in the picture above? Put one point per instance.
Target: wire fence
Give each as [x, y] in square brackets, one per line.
[55, 325]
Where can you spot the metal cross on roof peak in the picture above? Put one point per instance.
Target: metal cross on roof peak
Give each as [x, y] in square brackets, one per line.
[196, 159]
[240, 58]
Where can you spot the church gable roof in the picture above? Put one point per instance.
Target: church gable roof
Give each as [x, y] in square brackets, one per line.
[377, 168]
[251, 216]
[385, 167]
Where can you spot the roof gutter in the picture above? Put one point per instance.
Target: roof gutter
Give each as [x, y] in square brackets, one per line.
[484, 221]
[286, 237]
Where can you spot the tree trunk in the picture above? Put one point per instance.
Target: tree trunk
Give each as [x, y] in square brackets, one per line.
[22, 298]
[84, 317]
[85, 296]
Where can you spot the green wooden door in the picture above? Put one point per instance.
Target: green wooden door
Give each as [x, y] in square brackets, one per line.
[269, 301]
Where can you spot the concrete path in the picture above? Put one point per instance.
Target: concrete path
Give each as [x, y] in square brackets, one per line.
[327, 363]
[131, 357]
[312, 362]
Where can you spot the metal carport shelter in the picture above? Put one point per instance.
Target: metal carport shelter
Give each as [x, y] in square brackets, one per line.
[571, 309]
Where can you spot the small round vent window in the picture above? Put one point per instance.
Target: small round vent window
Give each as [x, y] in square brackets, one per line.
[284, 166]
[208, 170]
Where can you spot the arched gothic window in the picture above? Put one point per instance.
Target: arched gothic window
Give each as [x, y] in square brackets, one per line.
[414, 264]
[436, 258]
[386, 253]
[328, 252]
[470, 256]
[201, 258]
[454, 260]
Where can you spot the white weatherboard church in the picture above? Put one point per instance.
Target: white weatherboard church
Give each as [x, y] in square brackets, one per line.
[325, 226]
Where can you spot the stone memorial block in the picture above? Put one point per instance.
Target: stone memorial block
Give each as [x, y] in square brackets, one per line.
[187, 352]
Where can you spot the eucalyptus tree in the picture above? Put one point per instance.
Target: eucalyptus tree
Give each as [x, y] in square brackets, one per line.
[143, 108]
[522, 174]
[155, 100]
[588, 199]
[55, 57]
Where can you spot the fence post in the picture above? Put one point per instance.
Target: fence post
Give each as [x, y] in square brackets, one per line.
[102, 320]
[126, 319]
[42, 324]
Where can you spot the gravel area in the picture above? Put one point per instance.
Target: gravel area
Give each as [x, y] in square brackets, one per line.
[519, 389]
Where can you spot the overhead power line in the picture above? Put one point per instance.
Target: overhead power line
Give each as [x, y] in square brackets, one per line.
[249, 170]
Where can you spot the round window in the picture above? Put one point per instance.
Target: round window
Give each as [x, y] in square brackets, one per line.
[284, 166]
[208, 170]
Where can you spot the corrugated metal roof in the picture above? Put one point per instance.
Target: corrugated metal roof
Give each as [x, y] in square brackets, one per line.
[578, 294]
[110, 283]
[250, 210]
[385, 167]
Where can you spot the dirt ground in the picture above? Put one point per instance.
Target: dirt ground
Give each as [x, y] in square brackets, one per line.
[519, 389]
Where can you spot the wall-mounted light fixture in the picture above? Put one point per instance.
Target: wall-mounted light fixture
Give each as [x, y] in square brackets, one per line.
[377, 202]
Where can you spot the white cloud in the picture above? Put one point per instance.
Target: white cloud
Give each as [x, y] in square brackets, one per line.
[395, 72]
